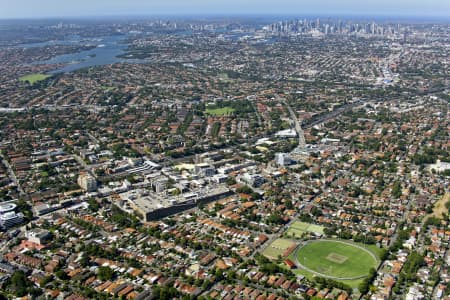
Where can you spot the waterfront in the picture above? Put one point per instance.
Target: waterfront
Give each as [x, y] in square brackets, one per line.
[106, 52]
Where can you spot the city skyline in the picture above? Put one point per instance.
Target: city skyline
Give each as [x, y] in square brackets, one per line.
[83, 8]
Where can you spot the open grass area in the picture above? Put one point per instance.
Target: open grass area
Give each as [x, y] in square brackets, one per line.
[224, 78]
[33, 78]
[282, 244]
[107, 88]
[298, 228]
[439, 207]
[336, 259]
[219, 111]
[278, 247]
[315, 229]
[352, 283]
[272, 253]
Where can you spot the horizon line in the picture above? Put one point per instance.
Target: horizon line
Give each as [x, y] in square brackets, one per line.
[234, 15]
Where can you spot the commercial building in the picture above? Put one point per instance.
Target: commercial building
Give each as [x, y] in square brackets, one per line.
[87, 182]
[287, 133]
[204, 170]
[283, 159]
[152, 206]
[254, 180]
[8, 217]
[38, 236]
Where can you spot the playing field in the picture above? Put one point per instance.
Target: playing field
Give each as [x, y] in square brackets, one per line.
[33, 78]
[336, 259]
[278, 247]
[298, 228]
[219, 111]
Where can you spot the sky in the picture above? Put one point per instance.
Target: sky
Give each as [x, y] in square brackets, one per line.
[13, 9]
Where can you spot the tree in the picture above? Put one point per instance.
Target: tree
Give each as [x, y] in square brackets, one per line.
[412, 265]
[384, 254]
[397, 190]
[62, 275]
[288, 204]
[19, 284]
[46, 280]
[93, 205]
[231, 181]
[105, 273]
[275, 219]
[365, 284]
[25, 208]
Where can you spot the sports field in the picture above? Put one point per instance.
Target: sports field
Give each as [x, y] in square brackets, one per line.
[298, 228]
[219, 111]
[33, 78]
[336, 259]
[278, 247]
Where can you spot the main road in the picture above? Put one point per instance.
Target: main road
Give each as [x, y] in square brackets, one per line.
[12, 175]
[298, 127]
[332, 115]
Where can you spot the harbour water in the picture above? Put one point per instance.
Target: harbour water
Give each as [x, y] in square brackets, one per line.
[105, 52]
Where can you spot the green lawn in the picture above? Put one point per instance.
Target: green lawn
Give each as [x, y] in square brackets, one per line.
[272, 253]
[282, 244]
[219, 111]
[294, 232]
[315, 229]
[224, 78]
[298, 228]
[33, 78]
[352, 283]
[300, 225]
[107, 88]
[336, 259]
[278, 247]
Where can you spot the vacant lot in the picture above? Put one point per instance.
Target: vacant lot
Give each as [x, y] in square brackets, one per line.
[439, 207]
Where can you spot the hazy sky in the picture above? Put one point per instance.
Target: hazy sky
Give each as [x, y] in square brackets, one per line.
[77, 8]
